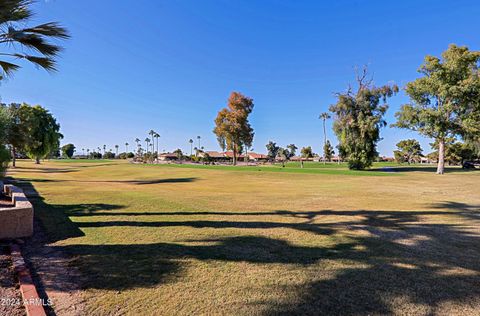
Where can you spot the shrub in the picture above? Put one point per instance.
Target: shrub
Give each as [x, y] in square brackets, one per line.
[109, 155]
[4, 160]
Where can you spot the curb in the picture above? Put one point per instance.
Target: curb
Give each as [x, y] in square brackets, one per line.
[31, 301]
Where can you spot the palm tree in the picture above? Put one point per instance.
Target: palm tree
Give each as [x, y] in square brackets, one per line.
[116, 150]
[83, 151]
[147, 141]
[198, 137]
[126, 148]
[152, 135]
[324, 116]
[137, 140]
[157, 136]
[88, 153]
[18, 39]
[104, 149]
[191, 147]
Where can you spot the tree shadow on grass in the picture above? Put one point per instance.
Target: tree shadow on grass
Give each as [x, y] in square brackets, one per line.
[137, 182]
[424, 265]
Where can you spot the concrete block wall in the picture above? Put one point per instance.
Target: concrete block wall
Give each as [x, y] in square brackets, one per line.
[16, 221]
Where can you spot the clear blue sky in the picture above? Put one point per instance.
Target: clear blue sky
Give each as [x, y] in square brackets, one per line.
[132, 66]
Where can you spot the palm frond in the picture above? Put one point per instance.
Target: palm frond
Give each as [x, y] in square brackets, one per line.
[8, 68]
[33, 41]
[14, 10]
[45, 62]
[52, 29]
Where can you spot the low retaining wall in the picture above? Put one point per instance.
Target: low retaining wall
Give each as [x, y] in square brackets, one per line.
[16, 221]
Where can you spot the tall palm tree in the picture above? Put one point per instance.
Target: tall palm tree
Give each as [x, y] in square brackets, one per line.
[104, 149]
[83, 151]
[147, 141]
[126, 147]
[324, 116]
[116, 150]
[152, 135]
[16, 38]
[137, 140]
[88, 153]
[191, 146]
[198, 137]
[157, 136]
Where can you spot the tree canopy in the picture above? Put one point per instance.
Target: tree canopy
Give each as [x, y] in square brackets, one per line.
[358, 120]
[328, 151]
[408, 150]
[43, 132]
[445, 101]
[306, 152]
[68, 150]
[232, 128]
[272, 150]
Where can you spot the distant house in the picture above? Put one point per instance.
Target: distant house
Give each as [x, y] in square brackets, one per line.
[257, 157]
[297, 158]
[167, 157]
[229, 155]
[387, 159]
[213, 155]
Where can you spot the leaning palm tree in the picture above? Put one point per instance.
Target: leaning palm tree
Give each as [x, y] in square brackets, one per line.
[18, 40]
[324, 116]
[191, 147]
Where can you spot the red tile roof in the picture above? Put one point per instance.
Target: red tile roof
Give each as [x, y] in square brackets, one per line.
[229, 154]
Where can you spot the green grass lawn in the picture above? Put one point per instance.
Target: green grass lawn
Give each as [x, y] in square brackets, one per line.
[183, 239]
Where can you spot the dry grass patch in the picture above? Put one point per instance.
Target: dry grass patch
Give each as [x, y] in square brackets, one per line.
[168, 240]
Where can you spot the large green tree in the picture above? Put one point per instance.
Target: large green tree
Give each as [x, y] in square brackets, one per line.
[306, 152]
[358, 120]
[445, 101]
[328, 151]
[232, 126]
[272, 150]
[5, 124]
[17, 132]
[68, 150]
[19, 41]
[408, 150]
[43, 132]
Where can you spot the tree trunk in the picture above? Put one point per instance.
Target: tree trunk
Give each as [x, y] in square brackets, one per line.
[441, 156]
[234, 154]
[14, 152]
[37, 160]
[324, 143]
